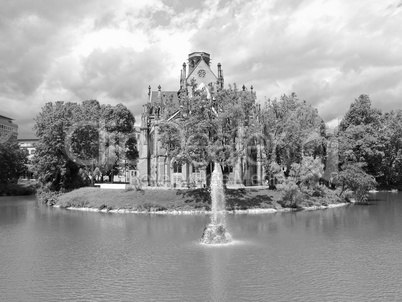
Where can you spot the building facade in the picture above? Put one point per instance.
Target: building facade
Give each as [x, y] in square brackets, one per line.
[7, 128]
[154, 167]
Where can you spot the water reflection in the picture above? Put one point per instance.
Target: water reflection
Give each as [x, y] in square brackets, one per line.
[348, 253]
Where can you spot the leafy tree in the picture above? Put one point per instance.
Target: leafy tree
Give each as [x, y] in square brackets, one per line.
[84, 145]
[308, 172]
[12, 162]
[303, 179]
[391, 138]
[72, 136]
[354, 178]
[361, 113]
[117, 125]
[132, 152]
[360, 139]
[118, 119]
[56, 170]
[291, 129]
[170, 138]
[213, 127]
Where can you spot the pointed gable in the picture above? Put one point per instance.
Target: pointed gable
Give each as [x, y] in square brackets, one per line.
[202, 73]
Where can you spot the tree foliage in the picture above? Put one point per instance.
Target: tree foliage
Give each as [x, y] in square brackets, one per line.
[308, 172]
[291, 129]
[372, 140]
[12, 162]
[132, 151]
[73, 137]
[390, 135]
[354, 178]
[207, 129]
[361, 113]
[370, 144]
[84, 142]
[303, 179]
[360, 138]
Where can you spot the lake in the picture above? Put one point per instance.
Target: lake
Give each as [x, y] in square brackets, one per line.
[351, 253]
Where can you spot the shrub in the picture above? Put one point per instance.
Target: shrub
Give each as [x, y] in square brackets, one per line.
[354, 178]
[47, 197]
[292, 196]
[319, 191]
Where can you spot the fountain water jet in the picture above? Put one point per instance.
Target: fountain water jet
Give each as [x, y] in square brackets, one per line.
[215, 232]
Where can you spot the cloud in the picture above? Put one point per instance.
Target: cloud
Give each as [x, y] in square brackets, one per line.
[327, 52]
[119, 74]
[33, 34]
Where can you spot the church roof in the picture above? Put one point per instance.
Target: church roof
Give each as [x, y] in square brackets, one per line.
[165, 96]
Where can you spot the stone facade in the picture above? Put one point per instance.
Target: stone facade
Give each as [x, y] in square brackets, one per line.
[153, 159]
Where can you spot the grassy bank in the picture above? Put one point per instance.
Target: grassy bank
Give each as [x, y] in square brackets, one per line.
[179, 200]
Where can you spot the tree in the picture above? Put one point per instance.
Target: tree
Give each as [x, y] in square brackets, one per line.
[361, 113]
[308, 172]
[213, 127]
[12, 162]
[132, 152]
[354, 178]
[84, 145]
[291, 129]
[74, 138]
[391, 138]
[170, 138]
[117, 125]
[360, 139]
[56, 170]
[303, 179]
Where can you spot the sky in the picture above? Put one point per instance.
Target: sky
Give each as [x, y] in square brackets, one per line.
[326, 51]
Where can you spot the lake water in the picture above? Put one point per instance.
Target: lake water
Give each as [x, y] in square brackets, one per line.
[352, 253]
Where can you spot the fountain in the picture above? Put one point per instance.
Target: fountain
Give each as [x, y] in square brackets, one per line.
[215, 232]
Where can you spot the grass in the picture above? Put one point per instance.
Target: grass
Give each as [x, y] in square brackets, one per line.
[169, 200]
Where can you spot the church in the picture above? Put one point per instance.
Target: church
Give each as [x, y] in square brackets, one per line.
[154, 168]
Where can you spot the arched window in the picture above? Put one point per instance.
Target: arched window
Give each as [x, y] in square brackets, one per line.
[176, 167]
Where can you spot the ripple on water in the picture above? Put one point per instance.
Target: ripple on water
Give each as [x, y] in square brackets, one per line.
[344, 254]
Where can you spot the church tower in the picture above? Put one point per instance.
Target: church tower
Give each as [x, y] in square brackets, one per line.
[200, 74]
[154, 166]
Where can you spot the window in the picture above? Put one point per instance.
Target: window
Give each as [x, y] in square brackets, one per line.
[229, 169]
[176, 168]
[196, 169]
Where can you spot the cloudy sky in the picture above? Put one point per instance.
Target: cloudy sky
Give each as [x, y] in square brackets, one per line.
[327, 51]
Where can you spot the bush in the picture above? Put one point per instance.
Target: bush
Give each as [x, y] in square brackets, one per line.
[355, 179]
[292, 196]
[47, 197]
[319, 191]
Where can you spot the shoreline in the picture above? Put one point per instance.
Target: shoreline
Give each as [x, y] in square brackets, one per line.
[203, 212]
